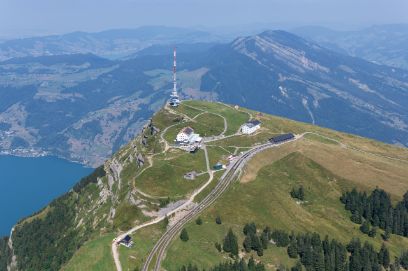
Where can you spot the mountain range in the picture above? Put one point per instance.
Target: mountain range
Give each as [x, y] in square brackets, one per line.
[382, 44]
[112, 44]
[84, 107]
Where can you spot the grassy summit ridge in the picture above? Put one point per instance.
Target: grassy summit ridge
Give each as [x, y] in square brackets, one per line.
[325, 162]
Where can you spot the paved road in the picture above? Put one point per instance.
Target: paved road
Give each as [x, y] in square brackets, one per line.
[226, 179]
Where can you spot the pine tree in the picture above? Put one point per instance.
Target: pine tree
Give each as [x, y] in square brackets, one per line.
[384, 256]
[292, 250]
[184, 235]
[259, 251]
[264, 240]
[356, 217]
[249, 228]
[256, 243]
[403, 260]
[318, 260]
[301, 193]
[199, 221]
[251, 264]
[218, 246]
[297, 267]
[372, 232]
[230, 243]
[386, 235]
[365, 227]
[247, 243]
[218, 220]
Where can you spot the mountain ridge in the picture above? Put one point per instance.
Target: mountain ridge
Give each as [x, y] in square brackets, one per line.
[125, 191]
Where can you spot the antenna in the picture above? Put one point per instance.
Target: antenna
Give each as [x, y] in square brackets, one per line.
[174, 72]
[174, 99]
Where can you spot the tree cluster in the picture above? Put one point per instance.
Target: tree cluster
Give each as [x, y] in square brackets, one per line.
[331, 255]
[376, 210]
[5, 253]
[163, 202]
[240, 265]
[91, 178]
[49, 242]
[315, 254]
[254, 242]
[298, 193]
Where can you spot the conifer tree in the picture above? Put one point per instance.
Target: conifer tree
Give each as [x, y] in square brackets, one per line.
[218, 220]
[384, 256]
[292, 250]
[297, 267]
[184, 235]
[230, 243]
[365, 227]
[264, 240]
[247, 243]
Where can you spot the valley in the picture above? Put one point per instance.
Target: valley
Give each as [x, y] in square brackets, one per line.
[98, 105]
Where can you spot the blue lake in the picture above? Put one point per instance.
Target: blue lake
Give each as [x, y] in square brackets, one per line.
[28, 184]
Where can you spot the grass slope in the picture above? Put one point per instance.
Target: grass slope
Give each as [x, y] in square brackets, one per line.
[326, 163]
[266, 201]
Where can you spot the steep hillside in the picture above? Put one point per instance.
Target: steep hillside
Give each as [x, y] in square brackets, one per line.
[279, 73]
[141, 191]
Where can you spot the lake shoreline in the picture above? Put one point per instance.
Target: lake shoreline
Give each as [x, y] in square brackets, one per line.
[30, 183]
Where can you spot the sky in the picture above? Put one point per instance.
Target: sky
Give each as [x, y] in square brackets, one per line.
[38, 17]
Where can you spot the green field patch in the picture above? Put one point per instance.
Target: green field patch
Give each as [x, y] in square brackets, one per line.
[209, 124]
[235, 118]
[267, 202]
[187, 110]
[165, 177]
[205, 124]
[217, 154]
[128, 215]
[143, 241]
[244, 140]
[94, 255]
[321, 139]
[165, 118]
[210, 186]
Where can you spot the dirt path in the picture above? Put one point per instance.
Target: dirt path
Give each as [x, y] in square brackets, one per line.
[343, 145]
[115, 251]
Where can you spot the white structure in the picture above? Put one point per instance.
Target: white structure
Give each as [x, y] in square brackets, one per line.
[174, 98]
[250, 127]
[187, 136]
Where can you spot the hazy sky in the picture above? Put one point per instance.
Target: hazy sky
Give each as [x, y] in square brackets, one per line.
[26, 17]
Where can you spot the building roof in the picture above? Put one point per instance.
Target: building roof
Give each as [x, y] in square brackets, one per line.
[187, 130]
[281, 138]
[254, 122]
[126, 238]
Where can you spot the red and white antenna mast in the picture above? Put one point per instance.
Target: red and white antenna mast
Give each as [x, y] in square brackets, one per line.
[174, 93]
[174, 99]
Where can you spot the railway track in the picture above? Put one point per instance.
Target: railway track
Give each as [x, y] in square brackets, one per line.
[226, 179]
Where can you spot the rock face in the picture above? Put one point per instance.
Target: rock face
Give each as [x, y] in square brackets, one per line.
[283, 74]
